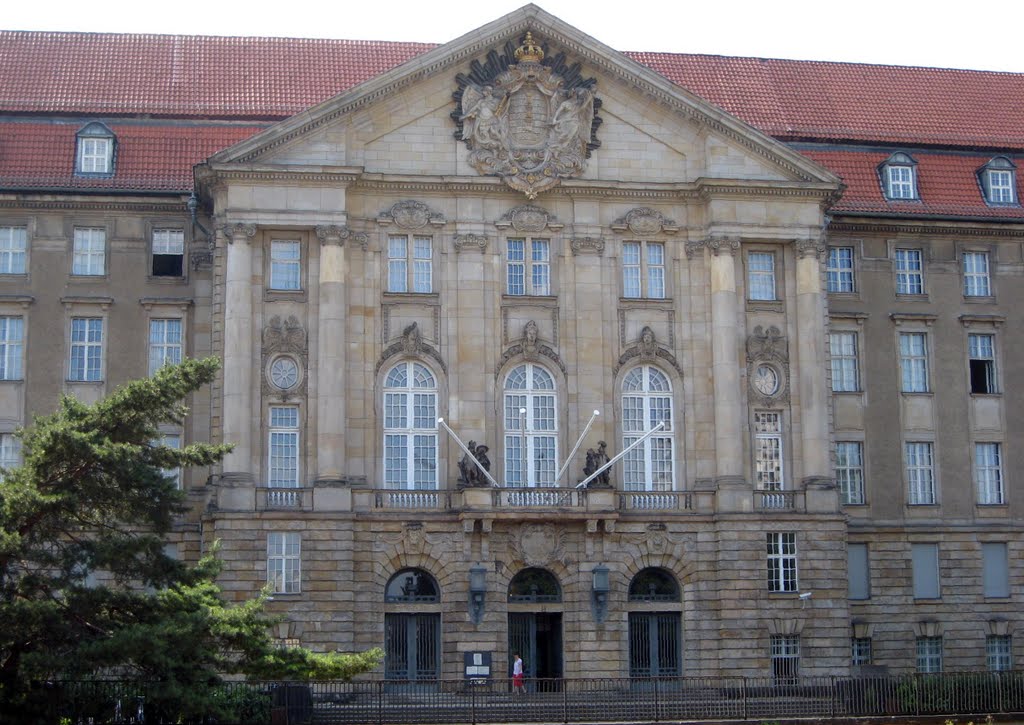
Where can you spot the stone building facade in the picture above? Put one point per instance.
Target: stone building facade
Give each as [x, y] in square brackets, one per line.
[546, 244]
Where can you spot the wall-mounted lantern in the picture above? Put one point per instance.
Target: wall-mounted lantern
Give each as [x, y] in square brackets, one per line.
[477, 592]
[599, 592]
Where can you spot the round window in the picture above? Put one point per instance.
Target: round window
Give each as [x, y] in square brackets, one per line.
[284, 373]
[766, 380]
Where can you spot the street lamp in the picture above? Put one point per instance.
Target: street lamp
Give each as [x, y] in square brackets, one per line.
[477, 591]
[599, 592]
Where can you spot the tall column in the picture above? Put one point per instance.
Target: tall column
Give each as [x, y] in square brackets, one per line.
[725, 362]
[810, 316]
[330, 406]
[238, 337]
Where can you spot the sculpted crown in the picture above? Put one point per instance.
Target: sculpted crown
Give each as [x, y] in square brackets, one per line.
[529, 52]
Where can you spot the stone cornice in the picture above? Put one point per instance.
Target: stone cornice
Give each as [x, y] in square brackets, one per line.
[917, 226]
[326, 176]
[104, 205]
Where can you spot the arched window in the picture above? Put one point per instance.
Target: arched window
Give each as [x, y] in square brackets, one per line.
[653, 585]
[412, 585]
[655, 637]
[410, 427]
[534, 585]
[531, 427]
[412, 633]
[647, 401]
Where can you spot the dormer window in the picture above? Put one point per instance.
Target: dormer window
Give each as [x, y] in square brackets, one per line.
[997, 181]
[899, 177]
[95, 155]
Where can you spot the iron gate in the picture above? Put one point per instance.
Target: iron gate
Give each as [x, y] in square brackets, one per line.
[654, 644]
[412, 646]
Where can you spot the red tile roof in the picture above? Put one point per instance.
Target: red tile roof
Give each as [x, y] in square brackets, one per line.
[947, 185]
[150, 157]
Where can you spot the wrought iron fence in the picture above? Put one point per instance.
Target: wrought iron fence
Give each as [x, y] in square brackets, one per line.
[483, 701]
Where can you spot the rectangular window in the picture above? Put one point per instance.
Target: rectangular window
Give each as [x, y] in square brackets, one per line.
[1000, 186]
[929, 654]
[850, 471]
[93, 155]
[285, 270]
[977, 282]
[643, 270]
[909, 272]
[920, 473]
[858, 571]
[284, 562]
[845, 367]
[925, 560]
[284, 447]
[761, 275]
[785, 658]
[900, 182]
[981, 349]
[13, 246]
[839, 271]
[405, 274]
[768, 450]
[860, 651]
[995, 570]
[528, 275]
[86, 349]
[90, 249]
[781, 562]
[164, 343]
[168, 253]
[999, 652]
[172, 440]
[914, 362]
[988, 473]
[12, 347]
[10, 452]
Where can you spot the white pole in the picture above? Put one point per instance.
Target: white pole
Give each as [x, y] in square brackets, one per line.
[627, 449]
[469, 453]
[523, 457]
[561, 471]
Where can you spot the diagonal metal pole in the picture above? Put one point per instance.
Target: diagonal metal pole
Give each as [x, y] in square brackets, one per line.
[624, 451]
[561, 471]
[472, 457]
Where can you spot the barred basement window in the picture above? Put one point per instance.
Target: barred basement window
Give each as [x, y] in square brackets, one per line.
[999, 652]
[785, 651]
[860, 651]
[929, 654]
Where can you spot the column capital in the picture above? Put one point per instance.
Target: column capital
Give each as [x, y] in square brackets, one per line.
[810, 248]
[695, 247]
[333, 234]
[239, 232]
[470, 242]
[724, 245]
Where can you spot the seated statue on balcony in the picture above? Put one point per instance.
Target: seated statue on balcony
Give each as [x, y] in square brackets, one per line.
[469, 470]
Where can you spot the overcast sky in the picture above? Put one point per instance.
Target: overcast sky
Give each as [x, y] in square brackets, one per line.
[983, 35]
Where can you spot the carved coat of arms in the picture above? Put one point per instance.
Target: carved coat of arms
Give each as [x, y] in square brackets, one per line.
[531, 122]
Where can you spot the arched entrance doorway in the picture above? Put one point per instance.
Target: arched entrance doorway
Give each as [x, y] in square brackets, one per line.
[655, 638]
[534, 630]
[412, 631]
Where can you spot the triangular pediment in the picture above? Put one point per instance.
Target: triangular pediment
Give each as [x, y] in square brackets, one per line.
[607, 118]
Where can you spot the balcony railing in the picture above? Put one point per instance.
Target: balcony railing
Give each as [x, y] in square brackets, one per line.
[539, 497]
[775, 500]
[404, 499]
[285, 498]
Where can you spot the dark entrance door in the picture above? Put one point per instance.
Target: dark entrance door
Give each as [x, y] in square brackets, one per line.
[537, 637]
[412, 646]
[654, 644]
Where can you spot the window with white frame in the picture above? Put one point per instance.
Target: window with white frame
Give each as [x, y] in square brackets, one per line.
[925, 560]
[998, 179]
[168, 253]
[86, 363]
[164, 343]
[13, 250]
[785, 651]
[761, 276]
[914, 362]
[850, 471]
[899, 177]
[643, 270]
[845, 364]
[909, 272]
[988, 473]
[10, 452]
[647, 401]
[858, 571]
[95, 153]
[929, 654]
[768, 450]
[284, 562]
[284, 447]
[839, 270]
[977, 281]
[995, 570]
[410, 427]
[981, 351]
[920, 473]
[12, 347]
[531, 426]
[172, 440]
[90, 251]
[410, 263]
[999, 652]
[860, 651]
[285, 265]
[528, 267]
[781, 562]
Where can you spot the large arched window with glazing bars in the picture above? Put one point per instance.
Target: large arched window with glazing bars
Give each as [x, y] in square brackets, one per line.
[531, 426]
[647, 401]
[410, 427]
